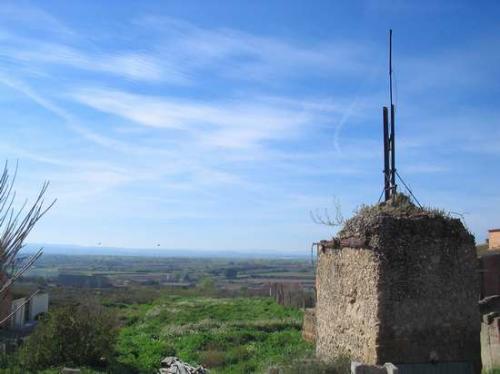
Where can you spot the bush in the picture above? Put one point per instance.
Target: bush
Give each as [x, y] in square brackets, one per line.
[74, 335]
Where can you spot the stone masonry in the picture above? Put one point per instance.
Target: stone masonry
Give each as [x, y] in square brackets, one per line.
[490, 332]
[309, 325]
[489, 306]
[399, 284]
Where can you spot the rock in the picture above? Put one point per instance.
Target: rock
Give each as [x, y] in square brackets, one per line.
[359, 368]
[172, 365]
[490, 304]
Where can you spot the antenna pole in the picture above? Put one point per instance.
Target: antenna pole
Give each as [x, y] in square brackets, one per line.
[392, 136]
[393, 155]
[390, 64]
[387, 186]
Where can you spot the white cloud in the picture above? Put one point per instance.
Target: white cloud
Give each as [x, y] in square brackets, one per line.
[226, 124]
[132, 65]
[245, 56]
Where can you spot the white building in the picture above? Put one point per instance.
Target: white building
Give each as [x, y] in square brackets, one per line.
[17, 319]
[28, 311]
[39, 304]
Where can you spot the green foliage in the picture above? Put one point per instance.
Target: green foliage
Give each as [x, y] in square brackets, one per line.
[206, 284]
[75, 335]
[239, 335]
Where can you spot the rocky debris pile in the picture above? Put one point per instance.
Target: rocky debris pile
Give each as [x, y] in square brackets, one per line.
[360, 368]
[172, 365]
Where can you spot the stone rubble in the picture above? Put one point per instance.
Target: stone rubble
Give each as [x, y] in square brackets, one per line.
[360, 368]
[172, 365]
[490, 331]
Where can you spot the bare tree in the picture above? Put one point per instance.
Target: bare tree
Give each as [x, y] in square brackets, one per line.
[326, 218]
[15, 225]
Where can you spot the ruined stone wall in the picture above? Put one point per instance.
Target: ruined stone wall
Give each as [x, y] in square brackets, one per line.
[346, 306]
[489, 268]
[399, 288]
[291, 294]
[490, 343]
[309, 325]
[428, 291]
[490, 332]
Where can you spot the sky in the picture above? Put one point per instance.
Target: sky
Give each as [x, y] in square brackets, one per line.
[222, 125]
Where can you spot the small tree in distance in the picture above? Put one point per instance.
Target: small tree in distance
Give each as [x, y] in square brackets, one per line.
[15, 225]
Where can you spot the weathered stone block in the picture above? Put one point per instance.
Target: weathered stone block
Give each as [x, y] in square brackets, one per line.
[407, 294]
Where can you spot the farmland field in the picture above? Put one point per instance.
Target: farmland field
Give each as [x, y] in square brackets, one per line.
[211, 312]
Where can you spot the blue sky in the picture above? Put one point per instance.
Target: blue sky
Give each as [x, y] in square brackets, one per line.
[223, 124]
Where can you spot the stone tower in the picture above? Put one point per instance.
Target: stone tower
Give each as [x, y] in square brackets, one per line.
[399, 284]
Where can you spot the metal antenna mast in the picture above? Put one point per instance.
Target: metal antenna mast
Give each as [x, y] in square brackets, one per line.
[390, 186]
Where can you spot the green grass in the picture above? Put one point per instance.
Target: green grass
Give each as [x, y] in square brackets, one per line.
[238, 335]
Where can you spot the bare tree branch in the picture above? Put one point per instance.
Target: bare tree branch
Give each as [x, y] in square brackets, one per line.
[325, 218]
[26, 301]
[15, 226]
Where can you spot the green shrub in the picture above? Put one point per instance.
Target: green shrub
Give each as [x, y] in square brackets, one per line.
[75, 335]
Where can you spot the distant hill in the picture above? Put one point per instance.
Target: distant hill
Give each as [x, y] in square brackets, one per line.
[69, 249]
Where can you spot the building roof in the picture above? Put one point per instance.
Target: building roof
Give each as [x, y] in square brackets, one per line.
[494, 230]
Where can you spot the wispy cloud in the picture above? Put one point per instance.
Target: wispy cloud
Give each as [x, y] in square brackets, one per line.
[178, 52]
[245, 56]
[233, 123]
[132, 65]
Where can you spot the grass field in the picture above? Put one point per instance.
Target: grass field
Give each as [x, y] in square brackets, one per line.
[238, 335]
